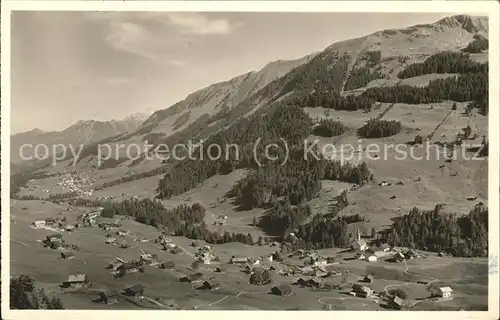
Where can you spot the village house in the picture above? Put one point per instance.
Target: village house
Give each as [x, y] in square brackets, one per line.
[128, 267]
[282, 290]
[315, 282]
[54, 237]
[39, 223]
[114, 266]
[396, 303]
[67, 255]
[108, 297]
[372, 258]
[210, 285]
[359, 245]
[50, 221]
[368, 278]
[385, 247]
[238, 260]
[361, 291]
[76, 281]
[136, 290]
[445, 292]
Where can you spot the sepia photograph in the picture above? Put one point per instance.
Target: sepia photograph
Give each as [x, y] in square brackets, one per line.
[228, 158]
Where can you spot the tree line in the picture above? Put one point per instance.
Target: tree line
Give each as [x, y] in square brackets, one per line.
[270, 125]
[184, 220]
[284, 218]
[329, 128]
[25, 295]
[444, 62]
[298, 180]
[375, 128]
[460, 235]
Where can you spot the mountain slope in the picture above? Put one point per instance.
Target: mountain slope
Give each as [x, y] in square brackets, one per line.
[217, 97]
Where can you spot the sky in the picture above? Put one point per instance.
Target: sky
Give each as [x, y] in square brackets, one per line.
[70, 66]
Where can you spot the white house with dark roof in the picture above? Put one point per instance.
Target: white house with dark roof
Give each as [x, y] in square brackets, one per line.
[445, 292]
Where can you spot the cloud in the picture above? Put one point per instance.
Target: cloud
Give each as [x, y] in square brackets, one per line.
[134, 38]
[195, 23]
[162, 37]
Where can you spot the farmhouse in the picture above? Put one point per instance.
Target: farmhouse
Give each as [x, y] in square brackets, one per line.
[396, 303]
[39, 224]
[385, 247]
[301, 282]
[359, 245]
[238, 260]
[315, 282]
[282, 290]
[110, 240]
[75, 281]
[136, 290]
[361, 291]
[445, 292]
[368, 278]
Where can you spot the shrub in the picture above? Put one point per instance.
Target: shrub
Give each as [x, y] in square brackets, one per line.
[379, 128]
[329, 128]
[418, 139]
[24, 295]
[398, 292]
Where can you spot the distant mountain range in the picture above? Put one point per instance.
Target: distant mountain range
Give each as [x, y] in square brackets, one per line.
[82, 132]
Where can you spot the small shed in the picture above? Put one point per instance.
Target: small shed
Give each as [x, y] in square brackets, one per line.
[282, 290]
[211, 285]
[134, 291]
[67, 255]
[108, 296]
